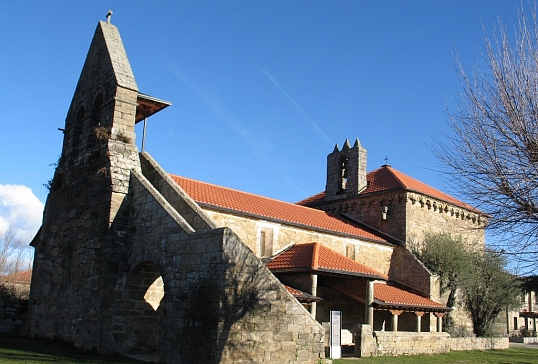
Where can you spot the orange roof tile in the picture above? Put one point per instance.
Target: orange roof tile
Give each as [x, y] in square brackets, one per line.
[387, 178]
[24, 277]
[246, 203]
[387, 295]
[302, 296]
[315, 257]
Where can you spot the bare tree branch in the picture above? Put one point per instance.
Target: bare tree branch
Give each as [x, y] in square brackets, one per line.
[491, 154]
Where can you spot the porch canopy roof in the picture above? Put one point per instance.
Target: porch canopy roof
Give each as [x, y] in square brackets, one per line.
[315, 257]
[319, 259]
[394, 298]
[302, 296]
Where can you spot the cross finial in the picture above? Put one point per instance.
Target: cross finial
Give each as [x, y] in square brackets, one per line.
[386, 160]
[108, 15]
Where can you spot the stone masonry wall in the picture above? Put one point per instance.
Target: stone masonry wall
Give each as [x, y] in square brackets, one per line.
[405, 343]
[406, 269]
[12, 315]
[409, 215]
[374, 255]
[181, 202]
[425, 214]
[222, 304]
[479, 343]
[83, 240]
[388, 343]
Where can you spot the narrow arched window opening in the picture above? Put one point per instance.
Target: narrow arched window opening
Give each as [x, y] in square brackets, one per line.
[96, 132]
[343, 173]
[77, 131]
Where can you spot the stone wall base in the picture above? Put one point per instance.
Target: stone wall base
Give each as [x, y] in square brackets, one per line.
[478, 343]
[12, 315]
[389, 343]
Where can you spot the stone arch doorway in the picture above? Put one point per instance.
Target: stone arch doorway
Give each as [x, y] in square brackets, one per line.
[141, 312]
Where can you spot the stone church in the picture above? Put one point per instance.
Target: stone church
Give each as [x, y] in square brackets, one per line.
[135, 260]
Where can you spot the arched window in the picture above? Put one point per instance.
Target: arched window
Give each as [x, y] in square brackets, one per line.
[95, 120]
[77, 131]
[96, 111]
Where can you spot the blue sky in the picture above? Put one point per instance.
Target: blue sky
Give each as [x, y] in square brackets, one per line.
[261, 90]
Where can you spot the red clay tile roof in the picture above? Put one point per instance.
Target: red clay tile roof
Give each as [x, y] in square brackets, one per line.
[24, 277]
[387, 178]
[385, 295]
[302, 296]
[246, 203]
[315, 257]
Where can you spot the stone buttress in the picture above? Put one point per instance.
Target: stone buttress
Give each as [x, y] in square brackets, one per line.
[115, 225]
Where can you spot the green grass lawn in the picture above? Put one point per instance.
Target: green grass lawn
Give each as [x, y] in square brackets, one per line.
[25, 351]
[15, 350]
[512, 355]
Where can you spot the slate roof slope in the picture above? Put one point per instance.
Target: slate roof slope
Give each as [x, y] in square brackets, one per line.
[387, 178]
[315, 257]
[227, 199]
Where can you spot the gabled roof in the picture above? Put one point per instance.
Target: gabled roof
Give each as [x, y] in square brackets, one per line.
[315, 257]
[243, 203]
[387, 178]
[393, 297]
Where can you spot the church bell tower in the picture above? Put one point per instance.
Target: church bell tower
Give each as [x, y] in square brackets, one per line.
[346, 171]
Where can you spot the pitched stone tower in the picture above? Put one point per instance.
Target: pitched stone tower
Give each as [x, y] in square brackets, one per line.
[346, 171]
[82, 239]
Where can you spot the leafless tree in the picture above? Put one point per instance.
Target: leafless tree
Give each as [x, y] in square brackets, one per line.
[14, 256]
[8, 241]
[491, 153]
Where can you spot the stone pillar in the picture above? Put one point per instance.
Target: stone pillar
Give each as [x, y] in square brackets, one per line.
[369, 308]
[395, 314]
[439, 316]
[314, 291]
[419, 320]
[365, 342]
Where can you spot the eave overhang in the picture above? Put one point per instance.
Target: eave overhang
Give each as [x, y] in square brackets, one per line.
[148, 105]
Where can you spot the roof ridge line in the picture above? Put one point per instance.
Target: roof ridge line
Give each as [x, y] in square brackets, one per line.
[447, 199]
[402, 183]
[390, 239]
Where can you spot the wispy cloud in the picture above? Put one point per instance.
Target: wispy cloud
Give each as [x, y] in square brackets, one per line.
[259, 145]
[314, 125]
[21, 210]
